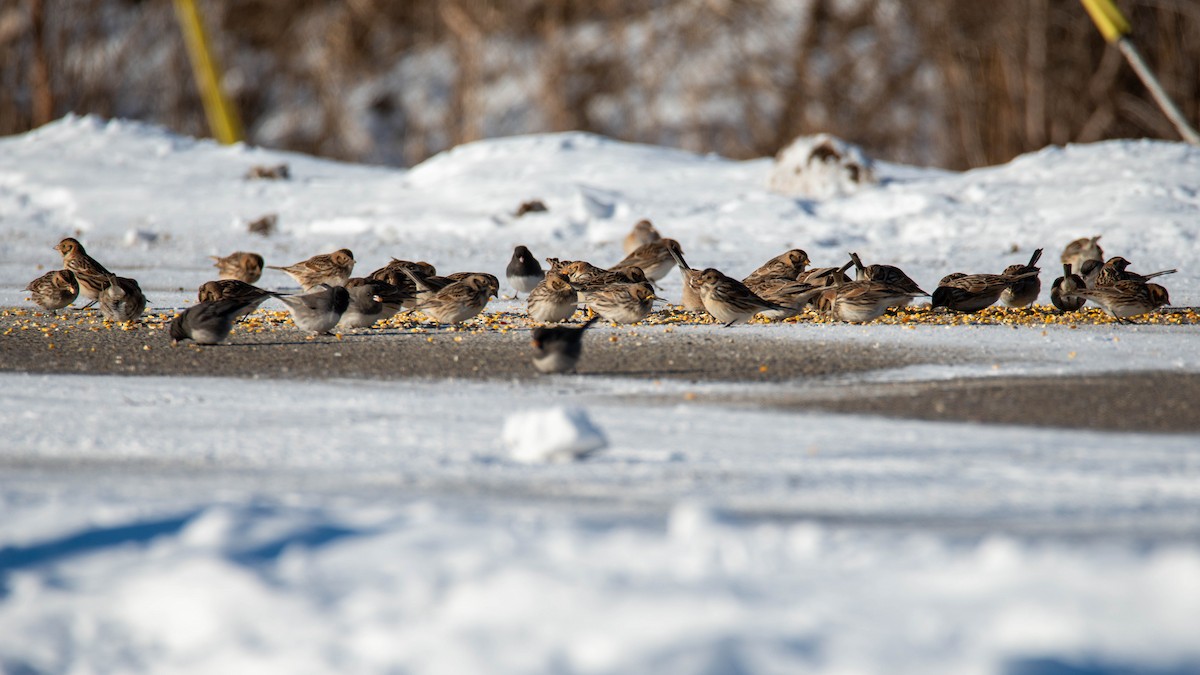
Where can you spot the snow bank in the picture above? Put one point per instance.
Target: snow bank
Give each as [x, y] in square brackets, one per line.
[189, 199]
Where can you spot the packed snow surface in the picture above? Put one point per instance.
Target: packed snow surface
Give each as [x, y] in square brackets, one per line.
[203, 525]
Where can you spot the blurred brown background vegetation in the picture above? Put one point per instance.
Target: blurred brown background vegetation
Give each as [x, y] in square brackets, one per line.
[942, 82]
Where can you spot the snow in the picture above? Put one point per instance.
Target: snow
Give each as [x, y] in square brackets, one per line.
[208, 525]
[551, 435]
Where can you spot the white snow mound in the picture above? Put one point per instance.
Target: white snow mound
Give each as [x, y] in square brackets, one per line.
[552, 435]
[821, 166]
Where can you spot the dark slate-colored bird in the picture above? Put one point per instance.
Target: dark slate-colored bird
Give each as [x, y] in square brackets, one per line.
[209, 323]
[318, 310]
[524, 272]
[556, 349]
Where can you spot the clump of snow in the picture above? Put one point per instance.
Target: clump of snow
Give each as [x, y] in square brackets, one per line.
[559, 434]
[821, 166]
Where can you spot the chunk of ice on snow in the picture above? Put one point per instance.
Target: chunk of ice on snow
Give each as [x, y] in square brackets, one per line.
[559, 434]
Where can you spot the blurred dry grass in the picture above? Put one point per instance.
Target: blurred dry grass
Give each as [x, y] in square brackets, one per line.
[943, 82]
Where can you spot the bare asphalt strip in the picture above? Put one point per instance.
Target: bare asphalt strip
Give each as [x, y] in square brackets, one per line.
[1140, 401]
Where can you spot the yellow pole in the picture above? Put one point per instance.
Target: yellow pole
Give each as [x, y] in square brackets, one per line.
[222, 115]
[1115, 28]
[1112, 24]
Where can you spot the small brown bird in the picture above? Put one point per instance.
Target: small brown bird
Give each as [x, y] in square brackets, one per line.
[974, 292]
[372, 300]
[426, 287]
[1117, 269]
[1081, 250]
[654, 258]
[393, 268]
[489, 280]
[691, 300]
[232, 289]
[328, 268]
[831, 278]
[789, 264]
[1062, 292]
[54, 290]
[888, 274]
[794, 295]
[828, 275]
[553, 300]
[621, 303]
[90, 275]
[620, 275]
[1090, 270]
[642, 233]
[575, 270]
[397, 278]
[1024, 292]
[1126, 299]
[524, 272]
[228, 289]
[240, 265]
[122, 299]
[729, 300]
[865, 300]
[459, 300]
[556, 349]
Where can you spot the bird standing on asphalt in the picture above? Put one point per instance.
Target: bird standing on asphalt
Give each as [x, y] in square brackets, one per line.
[1062, 292]
[1117, 269]
[888, 274]
[209, 323]
[318, 310]
[1023, 292]
[1128, 298]
[729, 300]
[328, 268]
[458, 301]
[91, 276]
[556, 349]
[553, 300]
[968, 293]
[122, 299]
[865, 300]
[691, 299]
[54, 290]
[372, 300]
[621, 303]
[654, 259]
[524, 272]
[240, 265]
[787, 265]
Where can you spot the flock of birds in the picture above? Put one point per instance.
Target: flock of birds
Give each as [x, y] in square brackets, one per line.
[783, 286]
